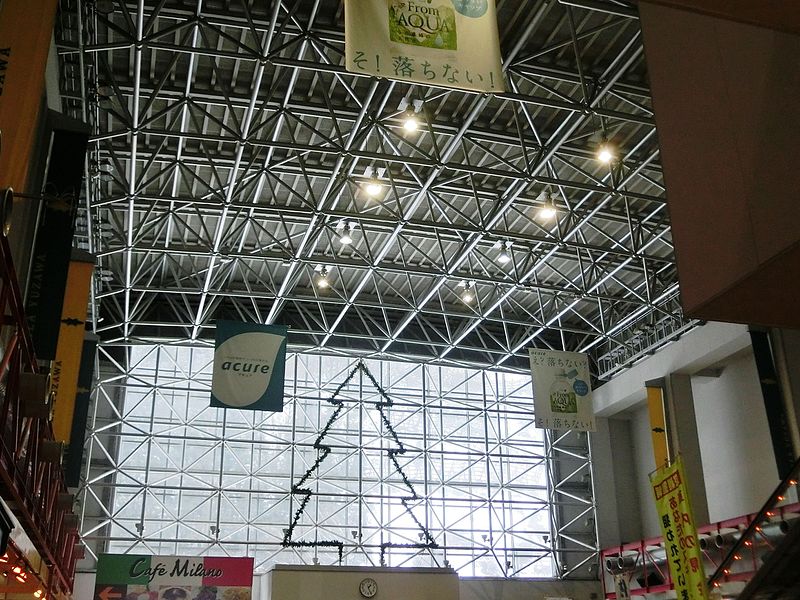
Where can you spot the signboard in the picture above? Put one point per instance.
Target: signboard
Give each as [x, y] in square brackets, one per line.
[75, 450]
[142, 577]
[680, 534]
[249, 366]
[25, 36]
[67, 364]
[450, 43]
[49, 261]
[562, 392]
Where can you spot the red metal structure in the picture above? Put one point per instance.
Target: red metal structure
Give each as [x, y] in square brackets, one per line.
[33, 487]
[642, 562]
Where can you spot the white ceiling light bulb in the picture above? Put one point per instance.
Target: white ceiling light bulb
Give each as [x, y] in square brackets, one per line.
[468, 295]
[374, 187]
[605, 153]
[504, 256]
[345, 227]
[548, 211]
[322, 280]
[411, 121]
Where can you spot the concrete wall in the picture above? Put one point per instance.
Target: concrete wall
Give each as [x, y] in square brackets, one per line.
[342, 583]
[626, 495]
[527, 589]
[644, 463]
[734, 179]
[615, 482]
[84, 586]
[735, 446]
[605, 484]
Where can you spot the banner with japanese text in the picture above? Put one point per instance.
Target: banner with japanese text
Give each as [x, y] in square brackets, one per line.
[249, 366]
[562, 392]
[680, 535]
[144, 577]
[451, 43]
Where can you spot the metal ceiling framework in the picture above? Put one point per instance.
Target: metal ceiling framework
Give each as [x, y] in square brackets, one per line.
[230, 142]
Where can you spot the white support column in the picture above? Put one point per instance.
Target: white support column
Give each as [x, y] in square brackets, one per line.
[685, 440]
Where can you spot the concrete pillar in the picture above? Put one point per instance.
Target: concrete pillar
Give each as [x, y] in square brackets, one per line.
[605, 486]
[684, 440]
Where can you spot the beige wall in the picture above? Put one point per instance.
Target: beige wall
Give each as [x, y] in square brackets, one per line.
[735, 444]
[528, 589]
[287, 582]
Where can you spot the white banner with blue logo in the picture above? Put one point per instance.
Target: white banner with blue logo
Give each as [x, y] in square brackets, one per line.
[249, 366]
[447, 43]
[562, 390]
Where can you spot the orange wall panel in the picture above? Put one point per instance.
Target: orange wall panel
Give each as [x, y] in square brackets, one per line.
[725, 99]
[26, 27]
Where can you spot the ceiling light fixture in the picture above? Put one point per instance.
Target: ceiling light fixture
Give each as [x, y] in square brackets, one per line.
[468, 294]
[411, 120]
[374, 185]
[505, 256]
[345, 228]
[548, 209]
[322, 277]
[605, 152]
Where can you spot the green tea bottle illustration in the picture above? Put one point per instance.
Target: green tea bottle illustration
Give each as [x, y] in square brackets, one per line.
[562, 396]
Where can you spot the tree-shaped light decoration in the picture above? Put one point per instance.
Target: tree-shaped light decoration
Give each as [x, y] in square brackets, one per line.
[299, 489]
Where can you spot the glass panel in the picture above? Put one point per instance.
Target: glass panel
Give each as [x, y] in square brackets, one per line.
[466, 465]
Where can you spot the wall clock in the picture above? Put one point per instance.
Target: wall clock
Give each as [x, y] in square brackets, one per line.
[368, 588]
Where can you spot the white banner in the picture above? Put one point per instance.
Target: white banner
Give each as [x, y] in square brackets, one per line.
[562, 391]
[451, 43]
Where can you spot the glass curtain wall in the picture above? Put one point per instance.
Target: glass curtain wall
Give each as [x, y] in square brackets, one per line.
[169, 475]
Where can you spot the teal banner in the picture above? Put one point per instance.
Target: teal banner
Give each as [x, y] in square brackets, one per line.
[249, 366]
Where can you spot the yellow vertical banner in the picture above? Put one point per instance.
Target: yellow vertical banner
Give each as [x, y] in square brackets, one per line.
[680, 534]
[658, 425]
[26, 28]
[64, 378]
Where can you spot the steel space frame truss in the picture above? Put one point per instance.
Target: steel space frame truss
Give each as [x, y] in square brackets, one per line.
[230, 143]
[166, 474]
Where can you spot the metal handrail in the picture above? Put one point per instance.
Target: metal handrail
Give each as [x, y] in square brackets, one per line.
[762, 516]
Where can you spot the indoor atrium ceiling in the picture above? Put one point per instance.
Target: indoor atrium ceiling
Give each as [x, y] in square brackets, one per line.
[230, 143]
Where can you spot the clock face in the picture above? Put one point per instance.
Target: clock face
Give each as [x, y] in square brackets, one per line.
[368, 588]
